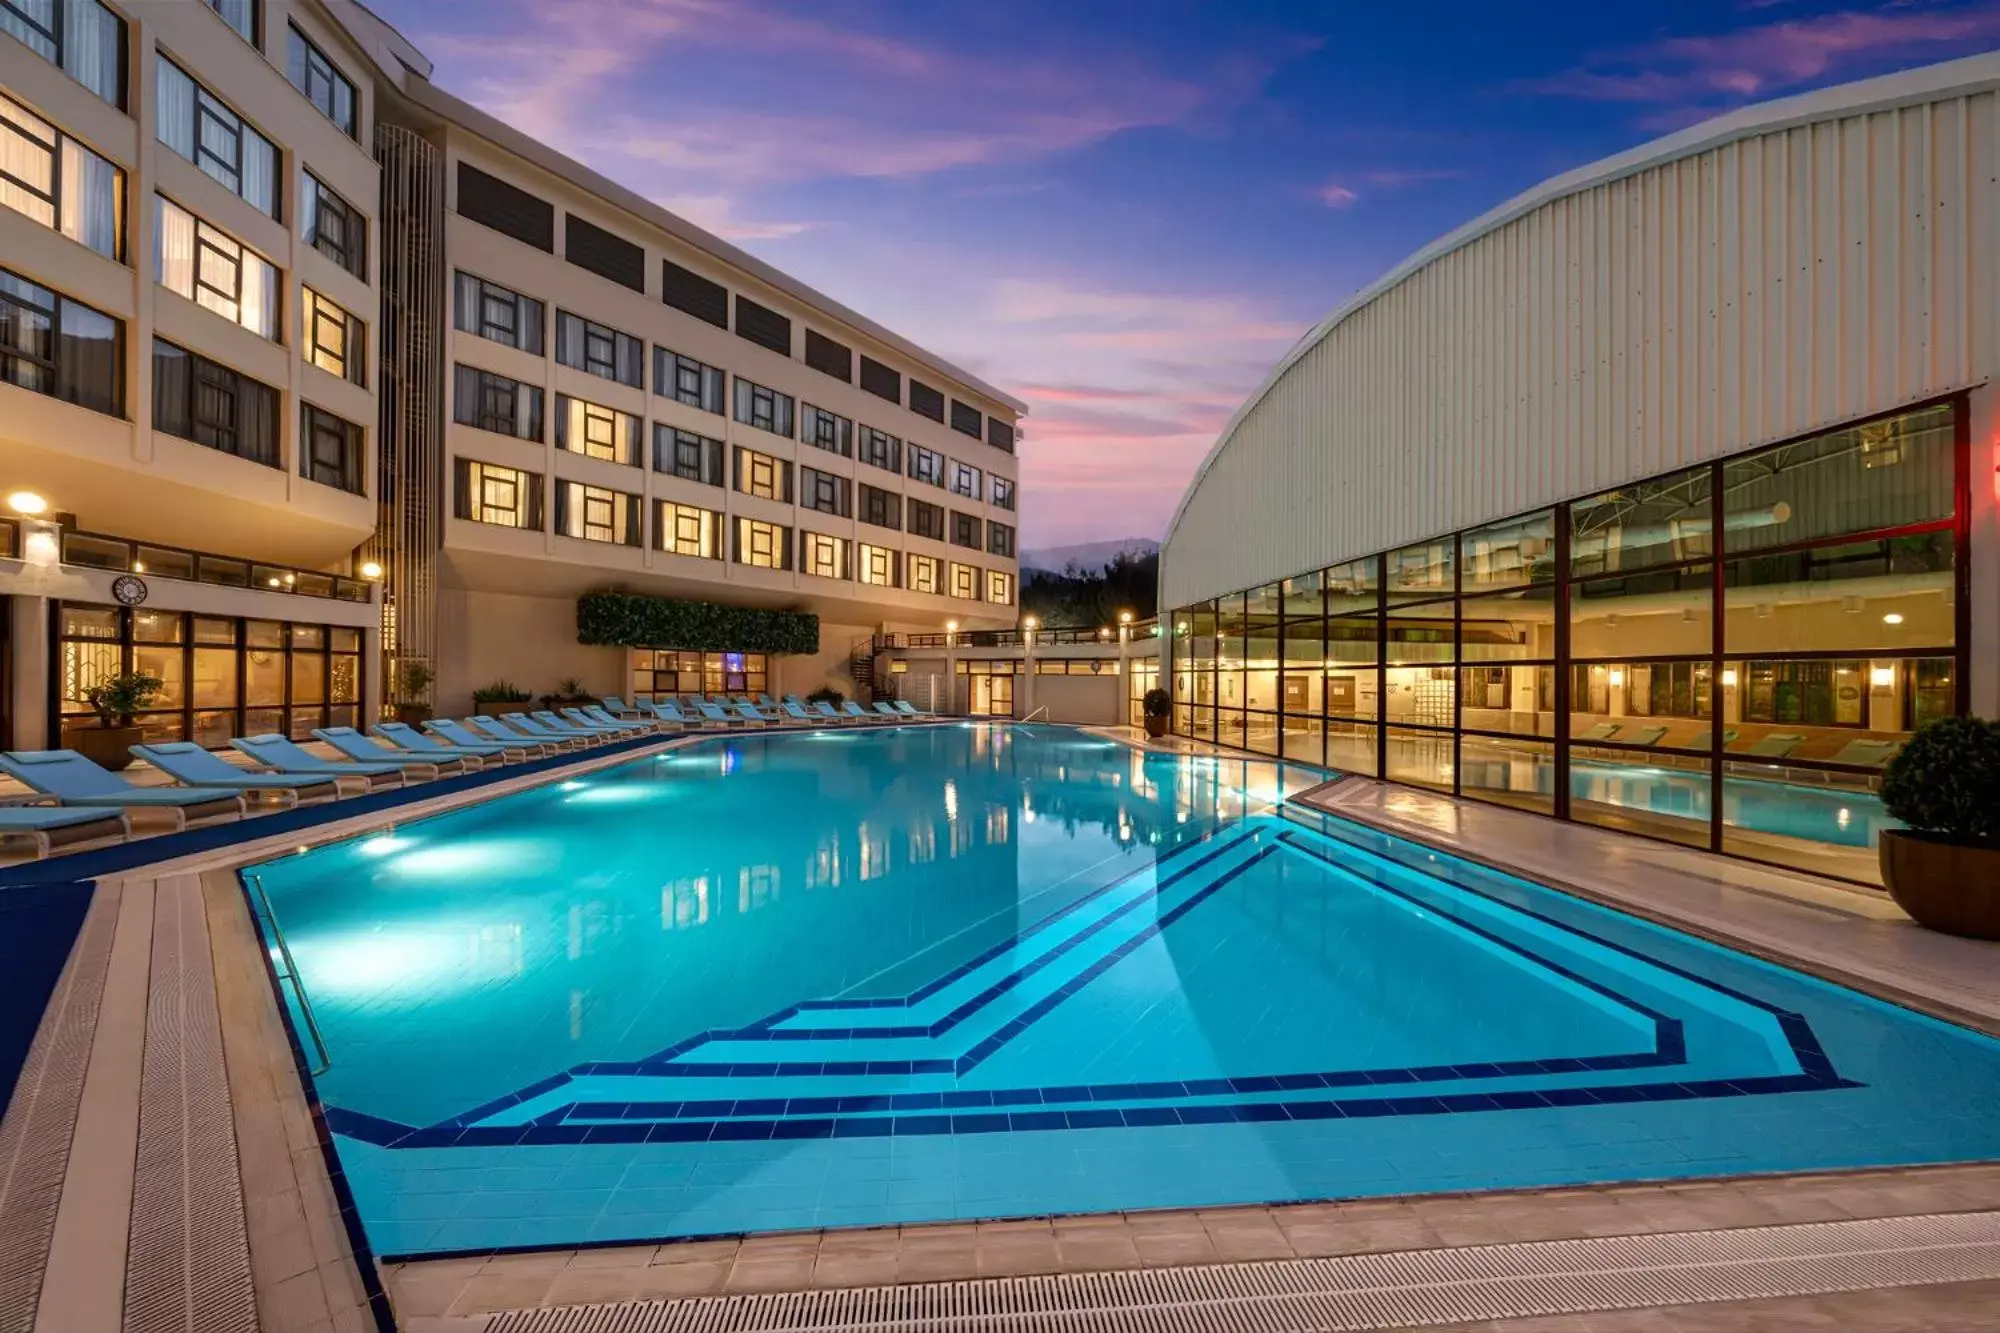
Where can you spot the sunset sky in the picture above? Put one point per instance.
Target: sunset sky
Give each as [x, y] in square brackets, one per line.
[1124, 211]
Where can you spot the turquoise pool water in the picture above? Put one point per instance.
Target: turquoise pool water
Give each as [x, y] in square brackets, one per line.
[762, 983]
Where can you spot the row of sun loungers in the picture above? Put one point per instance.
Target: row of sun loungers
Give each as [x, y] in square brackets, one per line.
[95, 803]
[1771, 745]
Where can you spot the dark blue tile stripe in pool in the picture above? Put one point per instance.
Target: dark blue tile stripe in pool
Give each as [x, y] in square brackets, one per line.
[38, 927]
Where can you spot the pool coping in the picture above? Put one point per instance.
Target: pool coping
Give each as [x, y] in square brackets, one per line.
[306, 1253]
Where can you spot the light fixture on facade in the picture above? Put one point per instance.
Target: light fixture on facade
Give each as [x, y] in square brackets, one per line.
[1124, 617]
[1893, 618]
[1882, 677]
[276, 583]
[27, 503]
[1031, 624]
[1729, 678]
[1617, 677]
[371, 570]
[41, 545]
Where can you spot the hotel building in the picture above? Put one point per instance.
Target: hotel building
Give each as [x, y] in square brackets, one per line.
[1664, 497]
[316, 381]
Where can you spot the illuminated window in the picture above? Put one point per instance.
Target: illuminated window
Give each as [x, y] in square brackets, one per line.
[335, 341]
[689, 530]
[762, 475]
[763, 545]
[503, 496]
[215, 271]
[59, 183]
[999, 587]
[596, 431]
[925, 573]
[879, 566]
[594, 514]
[823, 556]
[964, 581]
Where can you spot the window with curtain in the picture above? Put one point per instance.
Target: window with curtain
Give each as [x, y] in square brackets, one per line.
[926, 573]
[83, 38]
[502, 496]
[683, 529]
[764, 476]
[926, 520]
[600, 350]
[686, 380]
[333, 226]
[240, 15]
[493, 402]
[766, 409]
[926, 465]
[823, 556]
[965, 530]
[883, 509]
[335, 341]
[878, 565]
[684, 454]
[999, 587]
[194, 123]
[197, 399]
[56, 181]
[497, 314]
[1002, 496]
[596, 431]
[596, 514]
[52, 345]
[964, 480]
[825, 492]
[999, 540]
[763, 545]
[881, 449]
[824, 430]
[322, 82]
[214, 270]
[331, 449]
[965, 581]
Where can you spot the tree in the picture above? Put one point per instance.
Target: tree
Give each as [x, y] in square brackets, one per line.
[1095, 597]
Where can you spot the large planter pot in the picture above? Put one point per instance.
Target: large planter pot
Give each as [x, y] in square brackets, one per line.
[108, 747]
[413, 715]
[504, 706]
[1952, 887]
[1156, 727]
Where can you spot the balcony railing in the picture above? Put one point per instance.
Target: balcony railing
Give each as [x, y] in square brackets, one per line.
[92, 550]
[998, 638]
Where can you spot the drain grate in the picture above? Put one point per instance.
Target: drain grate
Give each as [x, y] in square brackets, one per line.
[1408, 1289]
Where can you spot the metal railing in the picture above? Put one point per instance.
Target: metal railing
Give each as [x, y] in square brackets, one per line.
[291, 974]
[999, 638]
[125, 555]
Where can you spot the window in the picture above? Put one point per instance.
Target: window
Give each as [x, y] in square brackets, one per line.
[594, 514]
[52, 345]
[1000, 540]
[201, 129]
[766, 409]
[965, 530]
[692, 294]
[502, 496]
[926, 520]
[999, 434]
[240, 15]
[829, 357]
[999, 587]
[964, 479]
[323, 84]
[965, 581]
[703, 673]
[926, 401]
[507, 209]
[879, 566]
[763, 545]
[331, 450]
[882, 381]
[825, 493]
[926, 465]
[683, 529]
[823, 556]
[335, 341]
[686, 380]
[762, 475]
[823, 430]
[215, 271]
[81, 37]
[335, 227]
[684, 454]
[196, 399]
[883, 509]
[58, 182]
[497, 314]
[598, 251]
[493, 402]
[1002, 492]
[965, 419]
[599, 349]
[763, 326]
[596, 431]
[925, 573]
[881, 449]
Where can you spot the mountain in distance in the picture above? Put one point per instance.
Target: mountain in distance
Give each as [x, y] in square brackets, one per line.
[1088, 557]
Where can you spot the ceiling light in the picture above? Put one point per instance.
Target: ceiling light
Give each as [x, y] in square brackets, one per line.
[371, 570]
[1893, 618]
[27, 502]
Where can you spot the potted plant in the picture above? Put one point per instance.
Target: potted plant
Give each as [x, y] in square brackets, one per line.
[1944, 869]
[116, 699]
[826, 694]
[501, 696]
[413, 687]
[1158, 707]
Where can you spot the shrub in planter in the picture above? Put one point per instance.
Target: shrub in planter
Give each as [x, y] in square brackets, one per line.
[826, 694]
[1944, 869]
[115, 699]
[413, 687]
[500, 697]
[1158, 706]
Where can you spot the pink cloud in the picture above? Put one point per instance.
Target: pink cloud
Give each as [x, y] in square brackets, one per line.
[1338, 196]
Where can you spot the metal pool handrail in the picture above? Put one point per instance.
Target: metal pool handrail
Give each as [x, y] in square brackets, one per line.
[291, 974]
[1037, 713]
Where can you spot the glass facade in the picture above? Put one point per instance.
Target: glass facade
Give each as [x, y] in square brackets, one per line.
[664, 672]
[1609, 660]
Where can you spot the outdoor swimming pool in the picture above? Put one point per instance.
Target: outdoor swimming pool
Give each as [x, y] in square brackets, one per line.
[853, 978]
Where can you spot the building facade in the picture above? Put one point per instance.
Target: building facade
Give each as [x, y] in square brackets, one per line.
[319, 389]
[1664, 497]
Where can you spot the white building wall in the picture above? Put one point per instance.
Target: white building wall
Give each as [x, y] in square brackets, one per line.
[1750, 280]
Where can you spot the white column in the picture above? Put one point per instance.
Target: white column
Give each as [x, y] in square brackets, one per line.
[28, 642]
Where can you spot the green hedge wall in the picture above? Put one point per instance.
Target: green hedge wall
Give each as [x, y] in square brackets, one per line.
[629, 620]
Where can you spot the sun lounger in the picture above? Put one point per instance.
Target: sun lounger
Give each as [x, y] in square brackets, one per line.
[670, 713]
[715, 714]
[49, 826]
[908, 709]
[1706, 737]
[1644, 736]
[287, 756]
[752, 714]
[1603, 731]
[193, 765]
[593, 713]
[407, 737]
[76, 781]
[497, 729]
[826, 710]
[1867, 754]
[549, 726]
[441, 762]
[618, 708]
[857, 712]
[887, 711]
[797, 713]
[1775, 746]
[556, 722]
